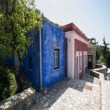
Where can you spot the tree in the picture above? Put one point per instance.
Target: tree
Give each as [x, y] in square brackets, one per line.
[98, 51]
[17, 17]
[105, 49]
[108, 59]
[106, 53]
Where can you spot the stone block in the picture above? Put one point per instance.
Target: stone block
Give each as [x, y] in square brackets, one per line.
[21, 101]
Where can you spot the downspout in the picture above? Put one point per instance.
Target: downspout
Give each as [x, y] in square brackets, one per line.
[40, 34]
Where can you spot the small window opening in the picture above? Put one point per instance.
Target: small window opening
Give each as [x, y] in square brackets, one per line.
[56, 58]
[30, 63]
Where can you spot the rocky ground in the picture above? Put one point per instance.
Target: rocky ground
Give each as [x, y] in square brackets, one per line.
[71, 95]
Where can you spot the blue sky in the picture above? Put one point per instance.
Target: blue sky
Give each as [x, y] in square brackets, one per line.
[91, 16]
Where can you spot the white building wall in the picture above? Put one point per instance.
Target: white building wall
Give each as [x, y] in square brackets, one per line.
[76, 36]
[71, 36]
[77, 55]
[80, 61]
[70, 54]
[85, 59]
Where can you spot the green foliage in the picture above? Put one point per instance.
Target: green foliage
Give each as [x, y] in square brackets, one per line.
[8, 85]
[98, 51]
[108, 59]
[102, 59]
[103, 53]
[17, 17]
[105, 49]
[46, 19]
[106, 53]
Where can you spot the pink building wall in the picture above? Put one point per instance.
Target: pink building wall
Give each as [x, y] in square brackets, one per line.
[77, 47]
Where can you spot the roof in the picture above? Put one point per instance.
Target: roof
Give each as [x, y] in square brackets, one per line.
[73, 27]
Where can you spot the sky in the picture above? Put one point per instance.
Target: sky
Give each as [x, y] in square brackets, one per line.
[92, 17]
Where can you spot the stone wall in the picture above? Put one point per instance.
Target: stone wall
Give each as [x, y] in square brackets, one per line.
[21, 101]
[101, 72]
[92, 51]
[101, 69]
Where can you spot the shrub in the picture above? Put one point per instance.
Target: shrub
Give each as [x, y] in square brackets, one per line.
[102, 59]
[8, 84]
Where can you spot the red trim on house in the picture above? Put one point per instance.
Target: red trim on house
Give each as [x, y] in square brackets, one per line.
[80, 46]
[73, 27]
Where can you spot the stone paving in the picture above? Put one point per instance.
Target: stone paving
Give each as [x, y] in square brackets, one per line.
[106, 95]
[89, 78]
[71, 95]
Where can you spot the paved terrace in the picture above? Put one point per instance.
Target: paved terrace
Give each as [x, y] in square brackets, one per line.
[71, 95]
[106, 92]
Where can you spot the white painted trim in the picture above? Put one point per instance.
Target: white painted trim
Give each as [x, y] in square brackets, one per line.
[76, 36]
[70, 54]
[69, 58]
[80, 61]
[77, 55]
[85, 58]
[73, 50]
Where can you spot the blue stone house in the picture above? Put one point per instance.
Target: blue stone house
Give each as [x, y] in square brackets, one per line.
[45, 61]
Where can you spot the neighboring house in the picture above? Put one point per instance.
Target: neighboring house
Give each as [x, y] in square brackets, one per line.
[45, 61]
[92, 53]
[77, 47]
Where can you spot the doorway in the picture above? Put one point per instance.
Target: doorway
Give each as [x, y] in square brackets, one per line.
[90, 61]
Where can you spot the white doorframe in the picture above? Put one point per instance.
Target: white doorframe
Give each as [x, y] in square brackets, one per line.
[77, 65]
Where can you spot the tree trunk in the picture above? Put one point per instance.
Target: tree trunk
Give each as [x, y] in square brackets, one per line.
[19, 73]
[20, 62]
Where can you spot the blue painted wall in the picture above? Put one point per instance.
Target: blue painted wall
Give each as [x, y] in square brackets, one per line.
[33, 52]
[52, 37]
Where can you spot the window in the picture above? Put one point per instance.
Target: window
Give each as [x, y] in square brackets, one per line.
[56, 58]
[30, 63]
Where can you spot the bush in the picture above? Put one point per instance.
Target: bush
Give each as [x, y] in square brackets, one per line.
[102, 59]
[8, 84]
